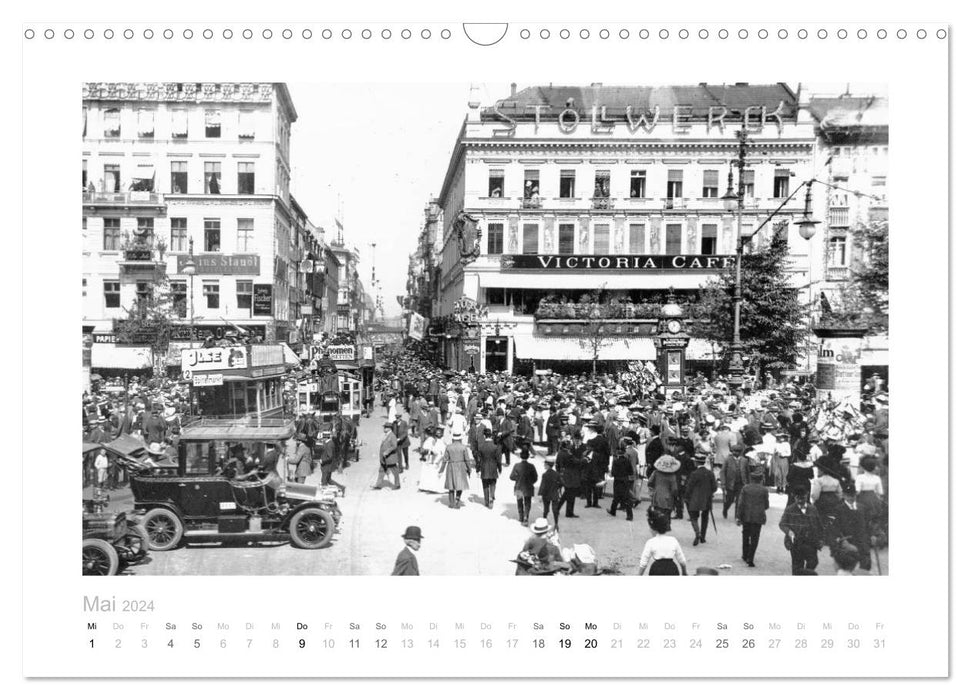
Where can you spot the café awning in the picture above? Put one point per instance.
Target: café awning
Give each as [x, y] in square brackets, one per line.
[530, 347]
[109, 356]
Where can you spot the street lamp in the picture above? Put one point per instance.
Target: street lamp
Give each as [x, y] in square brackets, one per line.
[736, 202]
[190, 270]
[807, 229]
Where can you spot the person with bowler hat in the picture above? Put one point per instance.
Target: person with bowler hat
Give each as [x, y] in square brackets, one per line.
[407, 562]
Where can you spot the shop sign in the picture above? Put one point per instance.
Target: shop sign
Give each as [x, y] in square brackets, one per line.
[471, 349]
[221, 264]
[207, 380]
[206, 359]
[674, 342]
[618, 263]
[417, 326]
[367, 352]
[262, 299]
[341, 353]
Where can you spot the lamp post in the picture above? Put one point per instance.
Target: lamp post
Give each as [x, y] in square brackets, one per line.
[190, 270]
[736, 202]
[807, 229]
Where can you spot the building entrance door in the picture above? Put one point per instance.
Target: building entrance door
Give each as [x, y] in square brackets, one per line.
[497, 350]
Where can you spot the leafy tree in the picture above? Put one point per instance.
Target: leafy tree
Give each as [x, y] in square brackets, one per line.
[773, 320]
[870, 280]
[596, 336]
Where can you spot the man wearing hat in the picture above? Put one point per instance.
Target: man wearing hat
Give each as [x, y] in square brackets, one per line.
[551, 489]
[803, 531]
[388, 457]
[407, 562]
[457, 464]
[850, 526]
[488, 466]
[753, 502]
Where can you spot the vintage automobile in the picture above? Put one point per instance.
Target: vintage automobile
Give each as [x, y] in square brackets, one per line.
[203, 498]
[110, 539]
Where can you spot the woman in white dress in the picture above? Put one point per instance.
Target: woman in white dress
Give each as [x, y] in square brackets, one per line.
[431, 479]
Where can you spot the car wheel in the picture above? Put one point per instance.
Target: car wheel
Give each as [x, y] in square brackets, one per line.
[136, 541]
[163, 528]
[98, 558]
[311, 528]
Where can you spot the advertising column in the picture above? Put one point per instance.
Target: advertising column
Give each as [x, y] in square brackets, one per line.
[838, 369]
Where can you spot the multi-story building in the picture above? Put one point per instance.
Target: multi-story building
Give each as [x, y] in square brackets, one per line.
[173, 169]
[424, 264]
[610, 194]
[347, 311]
[854, 142]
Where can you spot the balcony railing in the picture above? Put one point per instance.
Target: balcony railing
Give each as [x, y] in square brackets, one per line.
[674, 203]
[839, 216]
[531, 202]
[614, 311]
[602, 202]
[126, 198]
[838, 274]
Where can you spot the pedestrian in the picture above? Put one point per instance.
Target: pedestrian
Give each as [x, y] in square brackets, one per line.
[551, 489]
[101, 468]
[803, 532]
[780, 461]
[595, 464]
[826, 493]
[851, 526]
[406, 564]
[328, 461]
[388, 457]
[623, 472]
[154, 427]
[845, 559]
[662, 485]
[300, 459]
[457, 465]
[523, 476]
[507, 436]
[401, 430]
[568, 467]
[699, 488]
[539, 552]
[753, 502]
[489, 467]
[662, 555]
[731, 477]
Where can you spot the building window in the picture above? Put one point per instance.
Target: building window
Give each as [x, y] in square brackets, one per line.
[566, 239]
[146, 124]
[179, 299]
[112, 178]
[637, 239]
[568, 183]
[496, 183]
[112, 234]
[674, 184]
[672, 239]
[748, 183]
[214, 124]
[531, 185]
[494, 244]
[246, 178]
[780, 185]
[143, 296]
[180, 124]
[112, 122]
[709, 184]
[496, 296]
[709, 239]
[601, 239]
[638, 184]
[244, 235]
[879, 181]
[211, 229]
[145, 225]
[179, 235]
[84, 223]
[84, 174]
[112, 295]
[836, 251]
[244, 294]
[530, 239]
[180, 177]
[210, 290]
[247, 125]
[601, 183]
[213, 177]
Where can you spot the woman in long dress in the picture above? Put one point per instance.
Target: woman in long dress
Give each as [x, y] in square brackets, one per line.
[432, 477]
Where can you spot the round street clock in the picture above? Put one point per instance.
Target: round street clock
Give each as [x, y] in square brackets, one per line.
[674, 326]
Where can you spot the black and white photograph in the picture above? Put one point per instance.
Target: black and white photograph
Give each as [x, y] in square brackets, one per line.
[485, 329]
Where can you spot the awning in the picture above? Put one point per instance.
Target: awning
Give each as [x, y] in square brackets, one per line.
[699, 349]
[144, 171]
[109, 356]
[289, 356]
[530, 347]
[529, 279]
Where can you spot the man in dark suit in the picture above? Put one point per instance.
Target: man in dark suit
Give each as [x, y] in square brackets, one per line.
[851, 525]
[489, 467]
[550, 489]
[507, 438]
[402, 431]
[407, 562]
[569, 468]
[595, 467]
[388, 457]
[753, 502]
[803, 532]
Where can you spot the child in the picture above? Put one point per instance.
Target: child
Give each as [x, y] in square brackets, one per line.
[550, 490]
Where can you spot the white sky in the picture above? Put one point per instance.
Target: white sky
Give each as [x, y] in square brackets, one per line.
[382, 149]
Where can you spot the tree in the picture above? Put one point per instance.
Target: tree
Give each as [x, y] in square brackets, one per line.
[150, 319]
[596, 335]
[870, 279]
[773, 320]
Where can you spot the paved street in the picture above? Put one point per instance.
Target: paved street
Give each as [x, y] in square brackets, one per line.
[469, 541]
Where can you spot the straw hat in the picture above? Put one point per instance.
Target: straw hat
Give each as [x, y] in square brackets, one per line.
[540, 527]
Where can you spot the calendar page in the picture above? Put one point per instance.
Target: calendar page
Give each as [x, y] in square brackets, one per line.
[383, 315]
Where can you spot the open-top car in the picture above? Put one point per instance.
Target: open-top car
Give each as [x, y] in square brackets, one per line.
[225, 487]
[110, 540]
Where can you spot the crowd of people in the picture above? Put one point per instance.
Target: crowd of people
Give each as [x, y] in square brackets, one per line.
[617, 434]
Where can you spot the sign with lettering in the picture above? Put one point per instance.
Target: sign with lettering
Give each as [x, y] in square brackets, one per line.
[341, 353]
[207, 359]
[417, 326]
[618, 263]
[207, 380]
[262, 299]
[216, 264]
